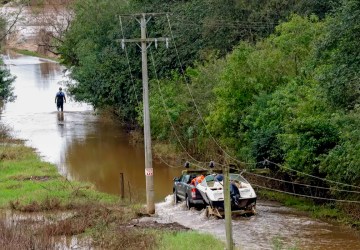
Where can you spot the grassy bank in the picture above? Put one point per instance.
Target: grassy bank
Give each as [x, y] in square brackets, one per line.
[31, 188]
[329, 211]
[35, 54]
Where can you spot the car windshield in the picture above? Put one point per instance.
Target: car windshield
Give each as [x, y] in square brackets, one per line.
[185, 178]
[238, 177]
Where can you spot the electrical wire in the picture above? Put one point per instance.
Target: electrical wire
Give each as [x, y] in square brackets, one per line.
[306, 196]
[302, 195]
[167, 111]
[302, 184]
[128, 62]
[313, 176]
[166, 163]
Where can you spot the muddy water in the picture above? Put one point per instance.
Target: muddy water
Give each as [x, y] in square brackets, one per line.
[273, 227]
[19, 223]
[83, 146]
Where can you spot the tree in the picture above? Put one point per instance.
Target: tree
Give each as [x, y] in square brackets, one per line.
[9, 19]
[7, 24]
[338, 57]
[6, 80]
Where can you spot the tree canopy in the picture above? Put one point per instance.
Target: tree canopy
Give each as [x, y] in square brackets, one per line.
[197, 28]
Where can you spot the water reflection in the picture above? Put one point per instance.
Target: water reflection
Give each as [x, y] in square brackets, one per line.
[47, 72]
[83, 146]
[60, 116]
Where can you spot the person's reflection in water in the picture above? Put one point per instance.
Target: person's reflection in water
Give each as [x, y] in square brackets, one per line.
[61, 123]
[60, 116]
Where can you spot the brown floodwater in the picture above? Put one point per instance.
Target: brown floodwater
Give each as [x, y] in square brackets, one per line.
[274, 227]
[82, 145]
[86, 147]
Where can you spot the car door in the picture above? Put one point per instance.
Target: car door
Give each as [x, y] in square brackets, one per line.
[182, 186]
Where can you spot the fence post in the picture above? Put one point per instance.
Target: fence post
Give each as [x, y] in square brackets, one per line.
[122, 189]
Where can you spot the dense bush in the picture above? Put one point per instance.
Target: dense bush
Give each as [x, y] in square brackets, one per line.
[6, 80]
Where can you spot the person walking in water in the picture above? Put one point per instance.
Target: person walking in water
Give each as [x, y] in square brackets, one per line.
[60, 99]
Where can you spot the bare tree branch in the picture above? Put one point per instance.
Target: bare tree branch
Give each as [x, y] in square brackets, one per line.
[13, 22]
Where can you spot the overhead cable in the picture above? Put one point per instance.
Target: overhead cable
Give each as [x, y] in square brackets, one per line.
[306, 196]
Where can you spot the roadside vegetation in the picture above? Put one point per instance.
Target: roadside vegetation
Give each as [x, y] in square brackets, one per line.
[45, 207]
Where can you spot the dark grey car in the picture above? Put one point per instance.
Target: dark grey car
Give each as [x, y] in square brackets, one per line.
[184, 191]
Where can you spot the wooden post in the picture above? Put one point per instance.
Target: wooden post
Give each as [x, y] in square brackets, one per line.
[122, 188]
[227, 207]
[129, 191]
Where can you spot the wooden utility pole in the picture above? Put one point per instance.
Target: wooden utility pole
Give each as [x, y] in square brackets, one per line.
[227, 207]
[149, 172]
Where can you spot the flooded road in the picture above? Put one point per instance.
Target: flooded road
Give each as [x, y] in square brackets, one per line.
[274, 227]
[83, 146]
[86, 147]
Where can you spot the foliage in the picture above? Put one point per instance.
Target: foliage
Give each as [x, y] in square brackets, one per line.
[251, 76]
[173, 110]
[342, 164]
[198, 28]
[339, 54]
[6, 81]
[2, 26]
[5, 78]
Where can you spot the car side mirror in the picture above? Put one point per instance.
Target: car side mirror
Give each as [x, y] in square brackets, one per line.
[176, 179]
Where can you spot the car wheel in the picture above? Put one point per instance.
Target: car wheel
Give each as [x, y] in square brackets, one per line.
[176, 198]
[253, 210]
[207, 212]
[188, 203]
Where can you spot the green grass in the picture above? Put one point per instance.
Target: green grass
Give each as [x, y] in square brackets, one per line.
[24, 179]
[35, 54]
[189, 240]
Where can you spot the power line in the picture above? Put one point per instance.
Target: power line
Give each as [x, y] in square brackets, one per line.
[167, 111]
[313, 176]
[166, 163]
[128, 62]
[306, 196]
[302, 184]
